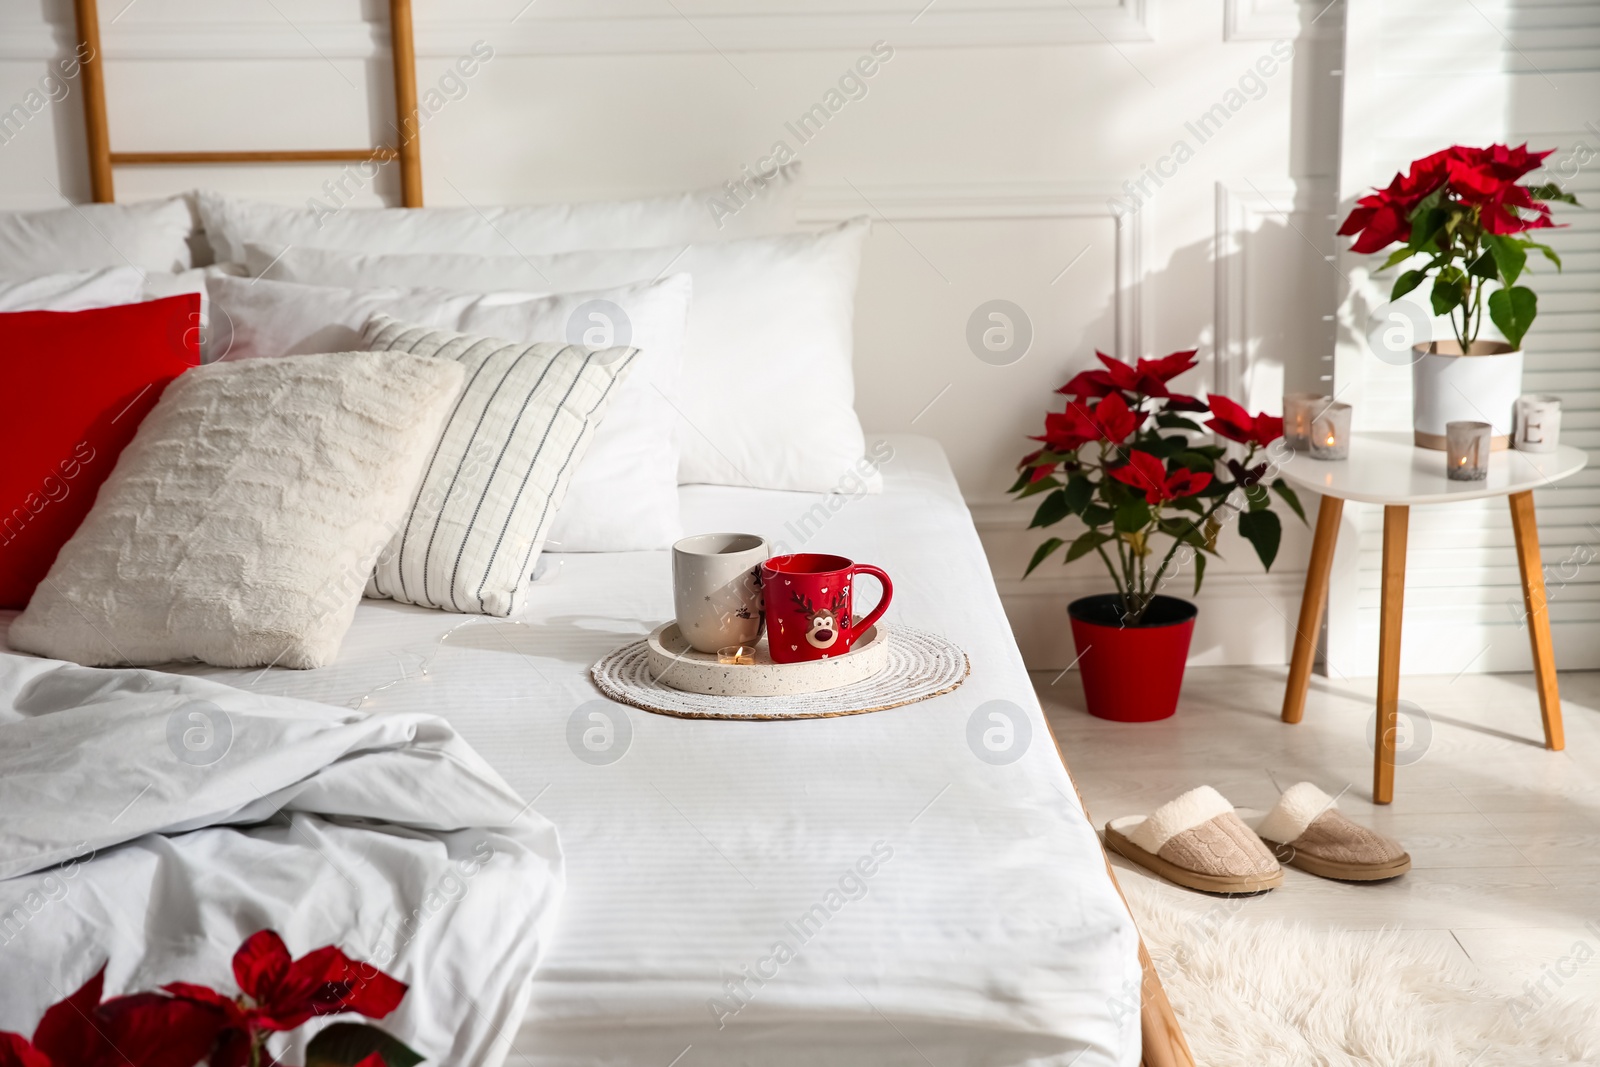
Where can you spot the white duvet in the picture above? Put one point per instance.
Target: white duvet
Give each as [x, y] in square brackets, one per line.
[156, 821]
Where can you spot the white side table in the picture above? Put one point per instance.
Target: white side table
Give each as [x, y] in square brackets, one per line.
[1385, 468]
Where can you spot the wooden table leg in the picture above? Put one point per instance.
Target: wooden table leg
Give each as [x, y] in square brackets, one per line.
[1396, 519]
[1538, 617]
[1312, 601]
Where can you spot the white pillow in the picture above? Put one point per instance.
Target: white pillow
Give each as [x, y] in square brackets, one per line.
[152, 235]
[74, 291]
[624, 496]
[500, 468]
[768, 389]
[240, 524]
[704, 215]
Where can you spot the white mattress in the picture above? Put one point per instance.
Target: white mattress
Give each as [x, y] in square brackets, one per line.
[991, 936]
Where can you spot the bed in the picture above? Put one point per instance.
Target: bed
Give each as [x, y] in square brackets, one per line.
[992, 934]
[864, 889]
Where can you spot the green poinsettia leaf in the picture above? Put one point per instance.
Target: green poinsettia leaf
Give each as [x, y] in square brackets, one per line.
[1051, 510]
[1549, 253]
[1448, 291]
[1132, 516]
[1513, 311]
[1510, 256]
[346, 1044]
[1552, 191]
[1043, 485]
[1085, 544]
[1398, 256]
[1264, 532]
[1095, 515]
[1042, 553]
[1290, 497]
[1484, 265]
[1171, 420]
[1405, 283]
[1079, 491]
[1199, 571]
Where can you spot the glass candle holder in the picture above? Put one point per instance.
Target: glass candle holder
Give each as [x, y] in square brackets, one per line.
[1298, 411]
[1466, 453]
[743, 655]
[1538, 423]
[1330, 432]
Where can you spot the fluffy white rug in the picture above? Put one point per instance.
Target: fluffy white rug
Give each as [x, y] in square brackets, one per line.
[1268, 993]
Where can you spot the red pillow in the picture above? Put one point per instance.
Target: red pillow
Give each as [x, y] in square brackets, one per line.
[76, 385]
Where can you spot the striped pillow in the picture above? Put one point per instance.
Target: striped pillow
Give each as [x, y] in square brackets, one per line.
[502, 464]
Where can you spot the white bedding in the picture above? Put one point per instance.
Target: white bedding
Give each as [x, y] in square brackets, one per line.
[987, 931]
[151, 823]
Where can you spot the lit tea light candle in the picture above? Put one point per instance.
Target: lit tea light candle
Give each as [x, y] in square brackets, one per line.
[1538, 423]
[740, 654]
[1467, 447]
[1330, 432]
[1299, 409]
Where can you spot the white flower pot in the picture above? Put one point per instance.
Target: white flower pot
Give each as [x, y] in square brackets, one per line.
[1481, 386]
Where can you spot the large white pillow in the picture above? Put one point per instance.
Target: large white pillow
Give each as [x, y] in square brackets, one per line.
[768, 388]
[74, 290]
[240, 525]
[624, 495]
[151, 235]
[705, 215]
[501, 466]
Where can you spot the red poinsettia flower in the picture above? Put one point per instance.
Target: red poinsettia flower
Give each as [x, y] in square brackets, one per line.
[1236, 424]
[1109, 420]
[1148, 377]
[1147, 473]
[143, 1030]
[281, 993]
[1484, 177]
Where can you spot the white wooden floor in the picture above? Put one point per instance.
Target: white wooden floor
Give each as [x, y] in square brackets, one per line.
[1504, 835]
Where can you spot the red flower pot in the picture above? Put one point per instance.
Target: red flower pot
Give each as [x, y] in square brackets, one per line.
[1131, 673]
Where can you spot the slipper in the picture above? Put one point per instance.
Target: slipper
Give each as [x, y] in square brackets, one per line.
[1306, 830]
[1199, 842]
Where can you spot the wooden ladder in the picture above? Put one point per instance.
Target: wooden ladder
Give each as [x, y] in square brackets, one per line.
[102, 159]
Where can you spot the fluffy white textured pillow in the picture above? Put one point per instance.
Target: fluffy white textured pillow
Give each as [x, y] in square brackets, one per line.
[231, 223]
[153, 235]
[240, 525]
[624, 495]
[768, 387]
[74, 290]
[500, 468]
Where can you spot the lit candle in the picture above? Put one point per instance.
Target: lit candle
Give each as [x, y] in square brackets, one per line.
[736, 654]
[1298, 411]
[1467, 449]
[1330, 432]
[1538, 423]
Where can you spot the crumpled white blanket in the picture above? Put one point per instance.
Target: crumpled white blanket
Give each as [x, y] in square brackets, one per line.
[156, 821]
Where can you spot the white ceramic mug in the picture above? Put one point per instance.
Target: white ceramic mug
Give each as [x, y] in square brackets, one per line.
[716, 589]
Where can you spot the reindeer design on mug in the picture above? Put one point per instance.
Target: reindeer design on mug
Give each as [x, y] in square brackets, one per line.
[823, 631]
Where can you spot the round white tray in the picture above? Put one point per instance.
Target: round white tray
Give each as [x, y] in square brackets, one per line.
[676, 664]
[920, 665]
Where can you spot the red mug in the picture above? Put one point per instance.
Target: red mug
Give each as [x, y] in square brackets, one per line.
[808, 601]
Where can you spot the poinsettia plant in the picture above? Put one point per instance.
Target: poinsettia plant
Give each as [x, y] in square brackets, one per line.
[1127, 462]
[186, 1024]
[1464, 209]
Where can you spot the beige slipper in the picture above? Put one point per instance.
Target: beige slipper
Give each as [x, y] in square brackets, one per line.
[1198, 842]
[1306, 830]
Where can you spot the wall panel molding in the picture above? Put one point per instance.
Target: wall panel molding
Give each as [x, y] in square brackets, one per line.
[945, 24]
[1273, 20]
[925, 203]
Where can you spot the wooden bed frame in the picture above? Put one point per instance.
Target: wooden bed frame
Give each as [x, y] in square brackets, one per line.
[1163, 1041]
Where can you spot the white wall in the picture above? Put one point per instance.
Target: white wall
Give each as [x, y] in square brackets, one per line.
[987, 149]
